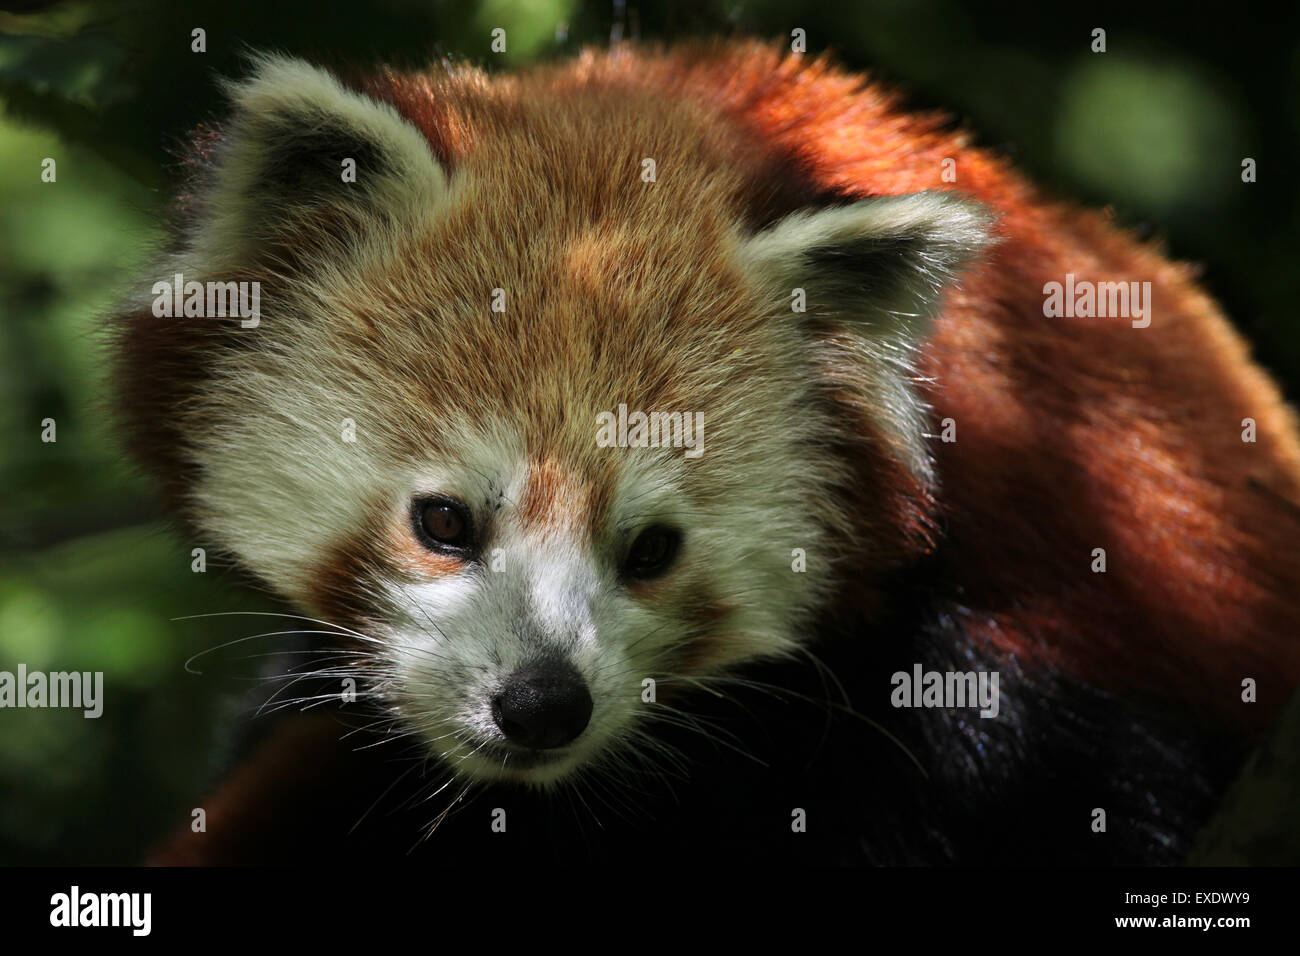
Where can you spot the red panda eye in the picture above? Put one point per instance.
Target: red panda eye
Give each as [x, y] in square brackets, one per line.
[652, 552]
[444, 523]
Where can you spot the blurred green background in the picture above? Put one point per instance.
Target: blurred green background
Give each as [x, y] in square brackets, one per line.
[91, 577]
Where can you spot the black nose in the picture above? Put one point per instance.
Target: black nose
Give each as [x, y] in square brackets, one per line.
[544, 704]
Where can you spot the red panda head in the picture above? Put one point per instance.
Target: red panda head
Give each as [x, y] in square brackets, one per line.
[531, 407]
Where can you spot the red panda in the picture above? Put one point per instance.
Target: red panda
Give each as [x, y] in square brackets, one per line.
[675, 452]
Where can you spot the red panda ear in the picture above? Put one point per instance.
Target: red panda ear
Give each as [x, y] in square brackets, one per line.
[880, 263]
[303, 161]
[876, 270]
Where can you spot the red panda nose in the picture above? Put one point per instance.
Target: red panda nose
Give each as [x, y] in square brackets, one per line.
[544, 704]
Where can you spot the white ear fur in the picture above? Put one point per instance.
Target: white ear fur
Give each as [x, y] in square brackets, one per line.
[281, 158]
[883, 260]
[877, 268]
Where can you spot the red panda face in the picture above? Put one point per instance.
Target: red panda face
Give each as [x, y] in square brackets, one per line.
[551, 440]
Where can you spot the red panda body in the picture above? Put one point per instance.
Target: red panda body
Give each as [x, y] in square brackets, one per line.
[976, 482]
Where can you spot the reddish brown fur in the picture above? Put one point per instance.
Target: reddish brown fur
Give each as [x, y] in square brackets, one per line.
[293, 767]
[384, 550]
[1078, 433]
[1073, 434]
[555, 500]
[417, 559]
[161, 365]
